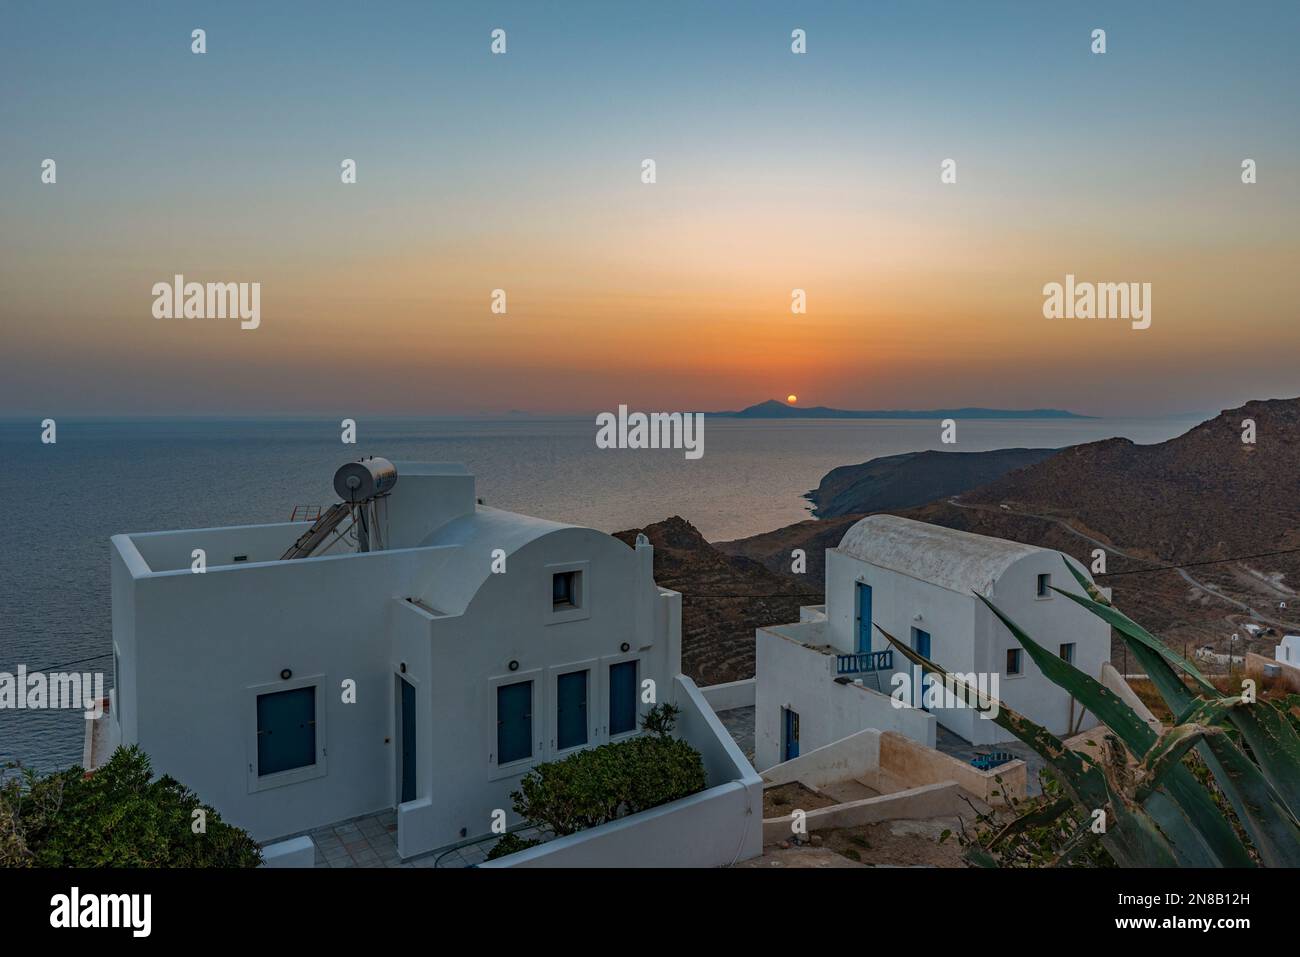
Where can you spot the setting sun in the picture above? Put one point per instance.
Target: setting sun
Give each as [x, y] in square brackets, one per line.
[792, 398]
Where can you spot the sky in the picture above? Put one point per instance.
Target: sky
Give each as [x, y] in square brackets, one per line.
[523, 172]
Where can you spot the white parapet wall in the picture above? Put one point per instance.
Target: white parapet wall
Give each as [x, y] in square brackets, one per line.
[730, 695]
[295, 852]
[716, 827]
[892, 763]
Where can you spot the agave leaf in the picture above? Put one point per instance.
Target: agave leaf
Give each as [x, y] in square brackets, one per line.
[980, 857]
[1276, 747]
[1130, 843]
[1261, 812]
[1190, 816]
[1080, 841]
[1086, 584]
[1043, 815]
[1091, 693]
[1132, 630]
[1168, 751]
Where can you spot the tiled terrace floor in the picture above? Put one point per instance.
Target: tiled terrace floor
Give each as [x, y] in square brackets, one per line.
[739, 723]
[371, 841]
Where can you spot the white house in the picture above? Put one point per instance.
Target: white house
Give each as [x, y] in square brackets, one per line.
[293, 680]
[829, 676]
[1288, 650]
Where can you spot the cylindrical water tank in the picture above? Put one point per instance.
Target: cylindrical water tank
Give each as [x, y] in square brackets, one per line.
[365, 479]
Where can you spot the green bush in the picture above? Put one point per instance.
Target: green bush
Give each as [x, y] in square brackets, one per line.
[509, 844]
[594, 786]
[115, 817]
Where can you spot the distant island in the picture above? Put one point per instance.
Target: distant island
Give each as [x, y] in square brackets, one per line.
[775, 409]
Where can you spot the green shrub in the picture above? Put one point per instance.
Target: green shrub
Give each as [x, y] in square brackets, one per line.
[594, 786]
[509, 844]
[115, 817]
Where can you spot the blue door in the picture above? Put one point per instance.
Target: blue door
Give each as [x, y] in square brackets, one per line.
[921, 645]
[622, 698]
[514, 722]
[789, 734]
[571, 710]
[408, 740]
[286, 730]
[864, 618]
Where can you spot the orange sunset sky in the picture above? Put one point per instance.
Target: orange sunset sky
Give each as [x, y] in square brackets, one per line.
[522, 172]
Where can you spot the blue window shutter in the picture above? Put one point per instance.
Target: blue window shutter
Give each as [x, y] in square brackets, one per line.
[622, 697]
[514, 722]
[571, 710]
[286, 730]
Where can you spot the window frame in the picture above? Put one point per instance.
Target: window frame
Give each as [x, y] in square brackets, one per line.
[591, 666]
[606, 663]
[1020, 663]
[1043, 587]
[559, 614]
[1072, 645]
[264, 782]
[522, 765]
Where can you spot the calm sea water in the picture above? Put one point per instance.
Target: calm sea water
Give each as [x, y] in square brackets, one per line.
[63, 501]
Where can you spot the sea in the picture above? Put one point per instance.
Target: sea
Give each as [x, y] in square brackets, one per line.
[62, 501]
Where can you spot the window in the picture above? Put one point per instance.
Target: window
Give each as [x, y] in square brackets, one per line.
[564, 589]
[286, 730]
[1044, 586]
[1013, 661]
[622, 698]
[1067, 652]
[514, 722]
[571, 710]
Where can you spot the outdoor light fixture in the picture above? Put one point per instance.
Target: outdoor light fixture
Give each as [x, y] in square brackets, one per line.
[624, 647]
[514, 666]
[403, 667]
[285, 674]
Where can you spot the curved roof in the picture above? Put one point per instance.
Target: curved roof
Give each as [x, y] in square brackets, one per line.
[474, 537]
[961, 561]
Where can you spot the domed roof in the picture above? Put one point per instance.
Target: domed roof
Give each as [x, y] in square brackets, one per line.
[961, 561]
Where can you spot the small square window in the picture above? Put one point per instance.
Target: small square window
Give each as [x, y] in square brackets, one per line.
[1044, 586]
[1013, 661]
[564, 590]
[1067, 652]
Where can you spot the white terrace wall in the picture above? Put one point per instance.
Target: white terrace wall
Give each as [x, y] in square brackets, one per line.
[795, 676]
[204, 645]
[716, 827]
[730, 695]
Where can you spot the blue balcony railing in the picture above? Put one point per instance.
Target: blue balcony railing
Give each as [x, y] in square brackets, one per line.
[865, 661]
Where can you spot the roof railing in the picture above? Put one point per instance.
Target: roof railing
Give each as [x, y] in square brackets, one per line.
[864, 662]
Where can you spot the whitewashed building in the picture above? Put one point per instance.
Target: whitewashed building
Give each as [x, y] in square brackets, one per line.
[1288, 650]
[830, 675]
[294, 681]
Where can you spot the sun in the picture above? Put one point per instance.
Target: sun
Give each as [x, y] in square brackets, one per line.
[792, 398]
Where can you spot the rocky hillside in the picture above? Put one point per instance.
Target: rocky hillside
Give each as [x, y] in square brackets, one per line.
[724, 598]
[1201, 497]
[913, 478]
